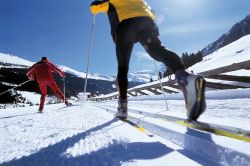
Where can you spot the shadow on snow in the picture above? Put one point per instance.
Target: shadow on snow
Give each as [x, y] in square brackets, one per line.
[189, 144]
[114, 154]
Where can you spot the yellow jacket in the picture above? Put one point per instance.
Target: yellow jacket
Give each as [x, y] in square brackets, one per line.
[119, 10]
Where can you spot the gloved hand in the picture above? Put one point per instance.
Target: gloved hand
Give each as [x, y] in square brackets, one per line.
[99, 6]
[31, 77]
[63, 75]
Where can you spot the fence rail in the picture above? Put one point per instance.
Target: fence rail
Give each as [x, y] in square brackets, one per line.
[215, 78]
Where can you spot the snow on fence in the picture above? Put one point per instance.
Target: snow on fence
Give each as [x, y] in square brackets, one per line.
[215, 79]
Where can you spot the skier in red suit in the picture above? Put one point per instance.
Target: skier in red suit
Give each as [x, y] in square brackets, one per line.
[42, 71]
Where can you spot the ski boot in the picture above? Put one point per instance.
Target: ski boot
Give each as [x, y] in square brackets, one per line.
[193, 88]
[122, 110]
[67, 103]
[40, 110]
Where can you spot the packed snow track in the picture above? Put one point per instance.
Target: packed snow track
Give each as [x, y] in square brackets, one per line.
[89, 135]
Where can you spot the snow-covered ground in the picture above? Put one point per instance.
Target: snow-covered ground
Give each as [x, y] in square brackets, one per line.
[224, 107]
[88, 135]
[75, 136]
[235, 52]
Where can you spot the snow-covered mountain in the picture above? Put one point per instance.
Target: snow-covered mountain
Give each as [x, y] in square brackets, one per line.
[17, 62]
[239, 30]
[83, 74]
[235, 52]
[143, 76]
[14, 61]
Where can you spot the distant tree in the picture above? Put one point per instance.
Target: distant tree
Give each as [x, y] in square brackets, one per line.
[191, 59]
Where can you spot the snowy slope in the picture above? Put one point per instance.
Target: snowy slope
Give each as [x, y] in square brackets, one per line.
[143, 76]
[237, 31]
[140, 76]
[83, 74]
[235, 52]
[14, 60]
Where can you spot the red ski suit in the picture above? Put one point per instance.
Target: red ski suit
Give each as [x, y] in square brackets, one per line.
[43, 72]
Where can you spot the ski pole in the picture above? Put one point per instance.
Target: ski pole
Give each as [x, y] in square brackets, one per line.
[90, 54]
[163, 92]
[64, 90]
[15, 87]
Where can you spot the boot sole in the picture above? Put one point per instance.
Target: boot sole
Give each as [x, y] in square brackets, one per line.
[199, 106]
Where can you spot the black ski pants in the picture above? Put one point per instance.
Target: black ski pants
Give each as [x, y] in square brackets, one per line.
[145, 31]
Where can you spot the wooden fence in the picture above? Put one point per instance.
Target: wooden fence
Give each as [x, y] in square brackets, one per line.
[215, 79]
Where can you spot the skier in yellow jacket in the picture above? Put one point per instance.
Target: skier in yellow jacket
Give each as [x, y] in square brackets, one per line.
[132, 21]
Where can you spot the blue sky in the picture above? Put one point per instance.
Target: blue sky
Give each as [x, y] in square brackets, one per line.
[60, 30]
